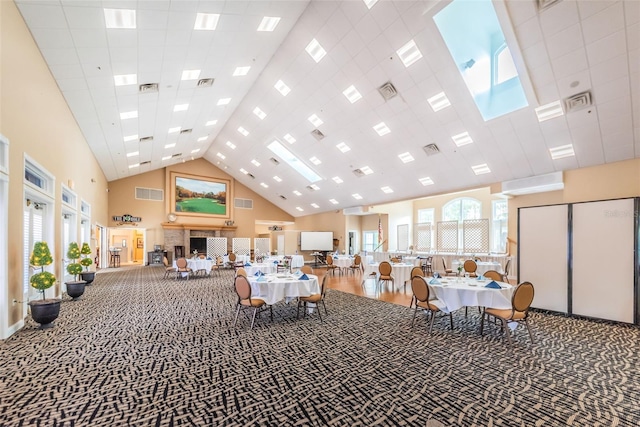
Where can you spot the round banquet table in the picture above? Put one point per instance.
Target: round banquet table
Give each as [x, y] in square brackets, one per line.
[483, 266]
[401, 272]
[277, 287]
[460, 292]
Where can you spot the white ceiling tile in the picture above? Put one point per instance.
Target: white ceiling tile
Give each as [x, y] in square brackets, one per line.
[607, 48]
[610, 70]
[570, 63]
[603, 23]
[88, 18]
[574, 83]
[53, 38]
[588, 8]
[565, 41]
[632, 12]
[616, 154]
[529, 33]
[368, 28]
[559, 17]
[536, 55]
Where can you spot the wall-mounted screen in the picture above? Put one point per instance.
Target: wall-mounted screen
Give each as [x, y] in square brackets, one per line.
[316, 240]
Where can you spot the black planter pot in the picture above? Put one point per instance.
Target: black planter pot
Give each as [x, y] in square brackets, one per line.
[45, 311]
[88, 276]
[75, 289]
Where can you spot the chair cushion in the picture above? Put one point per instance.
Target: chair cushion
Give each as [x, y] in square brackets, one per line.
[505, 314]
[312, 298]
[254, 302]
[383, 277]
[428, 305]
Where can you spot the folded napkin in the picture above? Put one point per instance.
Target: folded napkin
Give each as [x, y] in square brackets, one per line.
[259, 273]
[246, 264]
[275, 262]
[303, 277]
[261, 278]
[434, 281]
[481, 277]
[493, 285]
[436, 275]
[208, 258]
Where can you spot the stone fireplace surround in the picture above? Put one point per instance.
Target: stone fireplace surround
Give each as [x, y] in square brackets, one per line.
[180, 234]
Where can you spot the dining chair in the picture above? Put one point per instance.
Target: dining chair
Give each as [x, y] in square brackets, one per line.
[241, 272]
[182, 267]
[493, 275]
[331, 267]
[313, 299]
[167, 268]
[202, 256]
[505, 275]
[519, 311]
[232, 261]
[247, 302]
[385, 269]
[306, 269]
[470, 267]
[217, 266]
[356, 265]
[395, 259]
[447, 271]
[415, 271]
[421, 293]
[427, 266]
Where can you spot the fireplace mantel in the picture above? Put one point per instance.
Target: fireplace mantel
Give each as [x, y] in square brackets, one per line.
[174, 226]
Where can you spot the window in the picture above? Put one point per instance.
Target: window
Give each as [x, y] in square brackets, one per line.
[68, 236]
[424, 230]
[33, 232]
[370, 240]
[504, 67]
[403, 237]
[425, 215]
[85, 208]
[4, 214]
[37, 177]
[499, 226]
[460, 209]
[69, 198]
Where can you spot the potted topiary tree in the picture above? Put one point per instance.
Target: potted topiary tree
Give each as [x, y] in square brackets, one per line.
[45, 310]
[75, 288]
[86, 261]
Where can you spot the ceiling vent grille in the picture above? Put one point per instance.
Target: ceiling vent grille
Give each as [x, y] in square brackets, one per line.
[250, 175]
[205, 82]
[145, 162]
[185, 131]
[317, 134]
[146, 139]
[282, 197]
[148, 88]
[546, 4]
[274, 161]
[154, 194]
[431, 149]
[578, 101]
[176, 155]
[358, 172]
[387, 91]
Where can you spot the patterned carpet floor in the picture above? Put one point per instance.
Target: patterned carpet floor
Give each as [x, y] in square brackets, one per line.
[138, 350]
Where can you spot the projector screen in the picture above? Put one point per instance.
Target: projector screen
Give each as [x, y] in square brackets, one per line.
[316, 240]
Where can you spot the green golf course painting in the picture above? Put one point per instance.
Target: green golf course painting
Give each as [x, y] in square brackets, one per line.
[200, 196]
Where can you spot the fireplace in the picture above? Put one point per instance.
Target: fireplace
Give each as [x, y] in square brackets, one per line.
[198, 244]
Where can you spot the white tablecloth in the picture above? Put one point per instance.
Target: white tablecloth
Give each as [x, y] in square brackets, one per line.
[277, 287]
[473, 293]
[265, 267]
[400, 272]
[197, 264]
[417, 262]
[239, 258]
[483, 266]
[343, 261]
[297, 261]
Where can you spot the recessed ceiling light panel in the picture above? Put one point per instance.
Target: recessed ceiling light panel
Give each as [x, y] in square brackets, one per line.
[562, 151]
[352, 94]
[241, 71]
[439, 102]
[462, 139]
[381, 129]
[125, 79]
[409, 53]
[481, 169]
[206, 21]
[549, 111]
[356, 196]
[120, 18]
[386, 189]
[190, 74]
[243, 131]
[406, 157]
[231, 145]
[128, 115]
[223, 101]
[258, 112]
[289, 138]
[426, 181]
[343, 147]
[268, 23]
[315, 50]
[282, 88]
[315, 120]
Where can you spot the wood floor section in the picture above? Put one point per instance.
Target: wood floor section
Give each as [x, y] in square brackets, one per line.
[354, 284]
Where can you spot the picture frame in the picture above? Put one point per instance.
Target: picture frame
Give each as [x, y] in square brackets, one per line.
[201, 196]
[139, 243]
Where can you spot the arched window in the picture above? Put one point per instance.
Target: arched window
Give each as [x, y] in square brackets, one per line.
[462, 208]
[504, 67]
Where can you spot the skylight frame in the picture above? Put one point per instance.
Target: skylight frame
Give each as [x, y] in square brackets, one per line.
[292, 160]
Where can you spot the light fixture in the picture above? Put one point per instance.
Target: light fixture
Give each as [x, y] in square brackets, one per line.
[268, 23]
[315, 205]
[549, 111]
[166, 157]
[120, 18]
[289, 138]
[366, 170]
[381, 129]
[244, 171]
[277, 178]
[356, 196]
[135, 165]
[370, 3]
[297, 193]
[195, 150]
[258, 112]
[190, 74]
[243, 131]
[133, 153]
[211, 123]
[180, 107]
[125, 79]
[426, 181]
[206, 21]
[173, 144]
[223, 101]
[314, 187]
[264, 185]
[462, 139]
[255, 162]
[299, 208]
[406, 157]
[315, 120]
[282, 88]
[175, 129]
[343, 147]
[220, 155]
[481, 169]
[128, 115]
[304, 170]
[352, 94]
[202, 138]
[315, 50]
[241, 71]
[130, 138]
[337, 180]
[316, 161]
[333, 201]
[386, 189]
[439, 101]
[409, 53]
[562, 151]
[231, 145]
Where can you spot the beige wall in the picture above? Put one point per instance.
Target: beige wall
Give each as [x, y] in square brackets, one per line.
[333, 221]
[122, 201]
[35, 118]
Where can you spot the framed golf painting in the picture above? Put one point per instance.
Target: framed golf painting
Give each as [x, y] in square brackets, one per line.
[200, 196]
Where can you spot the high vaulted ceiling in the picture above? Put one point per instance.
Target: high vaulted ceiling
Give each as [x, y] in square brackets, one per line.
[567, 48]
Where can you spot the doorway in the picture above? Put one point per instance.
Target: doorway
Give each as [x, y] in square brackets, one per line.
[352, 242]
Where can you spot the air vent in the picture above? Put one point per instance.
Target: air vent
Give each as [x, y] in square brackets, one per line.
[176, 155]
[148, 88]
[205, 82]
[578, 101]
[317, 134]
[282, 197]
[546, 4]
[387, 91]
[251, 176]
[431, 149]
[358, 172]
[274, 161]
[146, 139]
[243, 203]
[154, 194]
[185, 131]
[145, 163]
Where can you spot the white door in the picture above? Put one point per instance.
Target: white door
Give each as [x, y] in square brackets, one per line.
[281, 245]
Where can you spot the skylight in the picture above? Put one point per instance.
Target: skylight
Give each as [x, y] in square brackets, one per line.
[352, 94]
[120, 18]
[337, 180]
[315, 50]
[243, 131]
[268, 23]
[343, 147]
[289, 138]
[231, 145]
[258, 112]
[282, 88]
[381, 128]
[426, 181]
[223, 101]
[482, 56]
[462, 139]
[241, 71]
[481, 169]
[409, 53]
[206, 21]
[125, 79]
[562, 151]
[406, 157]
[304, 170]
[439, 102]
